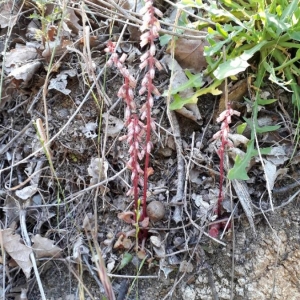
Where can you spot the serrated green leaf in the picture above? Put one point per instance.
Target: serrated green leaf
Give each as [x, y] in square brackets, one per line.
[239, 169]
[179, 102]
[194, 81]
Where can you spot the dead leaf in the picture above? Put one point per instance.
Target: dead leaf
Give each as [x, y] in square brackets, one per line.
[97, 170]
[26, 71]
[114, 125]
[19, 252]
[278, 155]
[186, 266]
[72, 21]
[60, 82]
[44, 247]
[8, 14]
[27, 192]
[236, 94]
[123, 242]
[270, 172]
[59, 46]
[126, 216]
[89, 223]
[189, 53]
[19, 55]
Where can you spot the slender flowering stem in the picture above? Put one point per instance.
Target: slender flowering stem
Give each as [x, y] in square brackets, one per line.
[139, 126]
[134, 126]
[222, 134]
[150, 28]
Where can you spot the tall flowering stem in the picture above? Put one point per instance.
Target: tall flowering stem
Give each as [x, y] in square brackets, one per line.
[150, 29]
[222, 134]
[135, 128]
[140, 124]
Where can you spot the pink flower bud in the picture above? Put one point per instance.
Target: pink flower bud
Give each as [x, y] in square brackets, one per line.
[141, 155]
[144, 56]
[144, 115]
[123, 58]
[155, 91]
[149, 147]
[158, 12]
[151, 101]
[152, 73]
[143, 64]
[152, 49]
[158, 65]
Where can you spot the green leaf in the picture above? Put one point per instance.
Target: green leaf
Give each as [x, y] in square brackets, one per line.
[195, 81]
[265, 101]
[223, 32]
[164, 39]
[179, 102]
[295, 35]
[266, 128]
[239, 169]
[241, 128]
[288, 12]
[127, 258]
[238, 64]
[263, 151]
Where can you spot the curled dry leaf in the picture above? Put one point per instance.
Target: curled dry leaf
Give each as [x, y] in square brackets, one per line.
[44, 247]
[25, 72]
[79, 249]
[123, 242]
[58, 46]
[19, 252]
[158, 246]
[238, 139]
[126, 216]
[72, 21]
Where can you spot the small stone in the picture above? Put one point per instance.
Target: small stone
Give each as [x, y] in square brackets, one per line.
[156, 211]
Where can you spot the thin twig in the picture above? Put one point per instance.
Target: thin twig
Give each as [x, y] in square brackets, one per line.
[31, 255]
[61, 130]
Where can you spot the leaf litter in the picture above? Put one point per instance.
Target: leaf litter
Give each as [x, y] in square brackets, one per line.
[57, 227]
